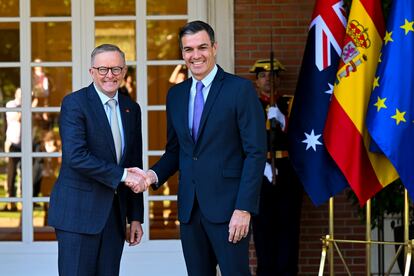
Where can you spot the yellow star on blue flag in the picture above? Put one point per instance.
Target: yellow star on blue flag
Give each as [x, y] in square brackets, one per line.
[391, 126]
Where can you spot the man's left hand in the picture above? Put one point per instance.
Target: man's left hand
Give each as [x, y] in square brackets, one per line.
[134, 235]
[239, 225]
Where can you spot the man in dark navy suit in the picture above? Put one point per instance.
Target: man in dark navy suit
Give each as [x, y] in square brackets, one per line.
[95, 194]
[216, 139]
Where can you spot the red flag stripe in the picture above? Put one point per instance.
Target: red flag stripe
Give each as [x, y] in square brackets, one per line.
[364, 183]
[375, 12]
[326, 53]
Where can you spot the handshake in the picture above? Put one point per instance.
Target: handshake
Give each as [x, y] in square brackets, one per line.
[139, 180]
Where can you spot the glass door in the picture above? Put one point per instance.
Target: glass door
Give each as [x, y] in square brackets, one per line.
[10, 133]
[45, 48]
[148, 33]
[35, 75]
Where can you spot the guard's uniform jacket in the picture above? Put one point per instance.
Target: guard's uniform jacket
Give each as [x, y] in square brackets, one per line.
[276, 227]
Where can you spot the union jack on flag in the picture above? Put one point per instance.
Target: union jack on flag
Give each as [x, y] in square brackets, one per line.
[329, 22]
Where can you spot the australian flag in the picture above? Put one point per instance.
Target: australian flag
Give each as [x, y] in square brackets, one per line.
[316, 169]
[390, 115]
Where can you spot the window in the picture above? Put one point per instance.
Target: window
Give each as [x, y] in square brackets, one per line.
[35, 77]
[45, 48]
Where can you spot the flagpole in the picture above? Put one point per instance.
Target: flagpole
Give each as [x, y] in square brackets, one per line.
[368, 237]
[406, 223]
[331, 235]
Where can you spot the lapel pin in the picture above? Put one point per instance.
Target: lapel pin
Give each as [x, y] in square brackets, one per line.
[127, 110]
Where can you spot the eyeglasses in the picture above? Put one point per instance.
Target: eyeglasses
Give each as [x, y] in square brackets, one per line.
[104, 70]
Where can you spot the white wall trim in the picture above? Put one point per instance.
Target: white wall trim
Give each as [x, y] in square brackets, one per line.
[219, 14]
[221, 18]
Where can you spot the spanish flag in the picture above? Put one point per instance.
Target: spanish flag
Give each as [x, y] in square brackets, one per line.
[346, 136]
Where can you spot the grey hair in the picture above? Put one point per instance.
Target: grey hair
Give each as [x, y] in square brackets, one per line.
[106, 48]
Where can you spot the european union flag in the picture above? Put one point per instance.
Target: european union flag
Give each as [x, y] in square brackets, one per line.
[390, 115]
[317, 171]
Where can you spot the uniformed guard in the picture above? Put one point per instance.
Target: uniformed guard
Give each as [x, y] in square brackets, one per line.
[276, 227]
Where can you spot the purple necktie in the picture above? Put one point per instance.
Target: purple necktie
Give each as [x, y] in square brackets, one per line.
[198, 108]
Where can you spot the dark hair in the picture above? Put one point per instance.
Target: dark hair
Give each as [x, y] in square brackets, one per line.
[106, 48]
[195, 27]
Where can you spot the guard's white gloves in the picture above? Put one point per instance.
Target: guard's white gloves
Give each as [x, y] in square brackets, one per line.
[275, 113]
[268, 172]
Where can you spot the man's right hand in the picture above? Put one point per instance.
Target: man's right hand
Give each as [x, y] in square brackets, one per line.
[136, 180]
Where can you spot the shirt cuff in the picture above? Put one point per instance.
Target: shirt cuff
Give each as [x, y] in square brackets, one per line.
[124, 175]
[156, 176]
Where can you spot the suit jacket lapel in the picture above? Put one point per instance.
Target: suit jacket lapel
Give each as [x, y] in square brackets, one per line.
[125, 109]
[184, 97]
[212, 96]
[101, 118]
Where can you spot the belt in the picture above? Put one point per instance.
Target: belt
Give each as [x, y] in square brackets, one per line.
[279, 154]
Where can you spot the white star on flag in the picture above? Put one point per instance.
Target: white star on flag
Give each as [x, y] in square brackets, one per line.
[312, 140]
[330, 91]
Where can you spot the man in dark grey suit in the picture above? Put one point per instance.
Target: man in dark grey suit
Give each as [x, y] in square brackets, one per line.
[219, 149]
[91, 201]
